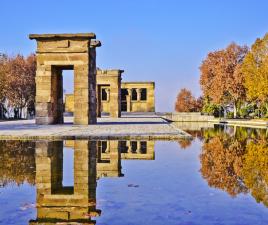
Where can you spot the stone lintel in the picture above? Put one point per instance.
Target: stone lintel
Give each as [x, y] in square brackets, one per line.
[95, 43]
[63, 36]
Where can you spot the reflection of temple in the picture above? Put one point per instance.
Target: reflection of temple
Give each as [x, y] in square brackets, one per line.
[109, 157]
[75, 202]
[57, 203]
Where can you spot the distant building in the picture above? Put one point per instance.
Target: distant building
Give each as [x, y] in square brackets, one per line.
[135, 97]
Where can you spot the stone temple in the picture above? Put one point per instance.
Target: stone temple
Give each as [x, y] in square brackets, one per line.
[133, 97]
[95, 91]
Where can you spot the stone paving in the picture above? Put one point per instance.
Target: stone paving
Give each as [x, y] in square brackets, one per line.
[147, 127]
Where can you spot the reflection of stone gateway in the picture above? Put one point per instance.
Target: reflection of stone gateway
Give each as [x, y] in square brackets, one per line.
[56, 203]
[58, 52]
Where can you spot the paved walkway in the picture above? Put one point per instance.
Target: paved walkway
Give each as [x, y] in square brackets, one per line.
[127, 127]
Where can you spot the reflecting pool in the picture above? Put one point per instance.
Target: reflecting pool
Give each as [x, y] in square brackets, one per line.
[219, 177]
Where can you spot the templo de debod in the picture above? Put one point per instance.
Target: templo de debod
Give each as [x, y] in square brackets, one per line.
[95, 91]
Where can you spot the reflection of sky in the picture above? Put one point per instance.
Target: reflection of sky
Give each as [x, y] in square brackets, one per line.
[159, 40]
[172, 191]
[68, 167]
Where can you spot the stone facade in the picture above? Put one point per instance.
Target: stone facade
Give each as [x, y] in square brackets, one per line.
[134, 96]
[58, 52]
[138, 96]
[108, 92]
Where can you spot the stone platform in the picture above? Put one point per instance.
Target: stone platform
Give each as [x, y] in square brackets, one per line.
[134, 127]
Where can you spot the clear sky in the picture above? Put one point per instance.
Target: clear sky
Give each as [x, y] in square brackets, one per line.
[152, 40]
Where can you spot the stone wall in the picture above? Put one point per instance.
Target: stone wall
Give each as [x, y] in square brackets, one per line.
[187, 117]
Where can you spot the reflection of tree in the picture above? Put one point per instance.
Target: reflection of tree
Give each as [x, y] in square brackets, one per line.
[237, 163]
[184, 143]
[17, 162]
[255, 170]
[221, 164]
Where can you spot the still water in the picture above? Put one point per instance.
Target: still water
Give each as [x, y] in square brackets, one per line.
[219, 177]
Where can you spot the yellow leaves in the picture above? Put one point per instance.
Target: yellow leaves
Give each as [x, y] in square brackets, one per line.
[255, 170]
[255, 70]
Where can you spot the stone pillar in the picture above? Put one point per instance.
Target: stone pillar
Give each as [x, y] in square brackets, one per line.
[138, 147]
[98, 101]
[129, 96]
[57, 52]
[128, 144]
[107, 90]
[138, 94]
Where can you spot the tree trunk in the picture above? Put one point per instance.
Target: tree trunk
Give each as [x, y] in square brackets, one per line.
[235, 110]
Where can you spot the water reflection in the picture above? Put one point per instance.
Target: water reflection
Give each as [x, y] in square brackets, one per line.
[235, 160]
[92, 160]
[56, 202]
[232, 159]
[17, 162]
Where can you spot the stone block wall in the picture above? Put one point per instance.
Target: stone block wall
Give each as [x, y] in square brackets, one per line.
[58, 52]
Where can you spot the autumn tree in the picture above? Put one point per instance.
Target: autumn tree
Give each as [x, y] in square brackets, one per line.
[221, 78]
[186, 102]
[21, 83]
[255, 71]
[3, 82]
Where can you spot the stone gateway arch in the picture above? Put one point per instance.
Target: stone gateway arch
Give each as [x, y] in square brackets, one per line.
[58, 52]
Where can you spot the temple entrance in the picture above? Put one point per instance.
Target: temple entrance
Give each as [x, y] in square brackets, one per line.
[58, 52]
[68, 97]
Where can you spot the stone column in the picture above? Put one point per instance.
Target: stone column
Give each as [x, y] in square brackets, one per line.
[98, 101]
[129, 96]
[107, 90]
[128, 144]
[138, 147]
[138, 94]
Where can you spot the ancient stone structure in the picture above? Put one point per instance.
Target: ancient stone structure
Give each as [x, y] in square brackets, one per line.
[134, 96]
[137, 96]
[58, 52]
[65, 204]
[109, 92]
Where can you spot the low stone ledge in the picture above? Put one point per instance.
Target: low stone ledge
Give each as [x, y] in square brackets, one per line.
[187, 117]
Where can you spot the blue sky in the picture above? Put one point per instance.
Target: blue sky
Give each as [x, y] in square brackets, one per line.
[152, 40]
